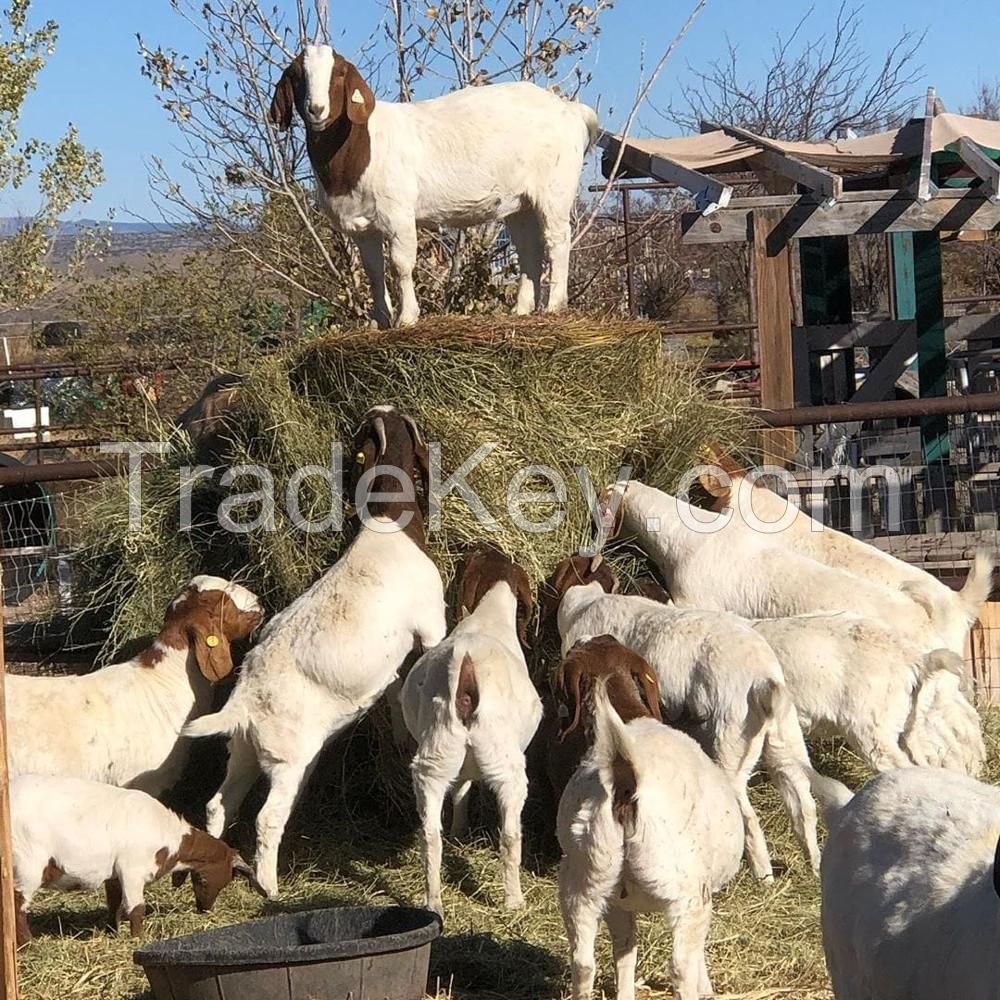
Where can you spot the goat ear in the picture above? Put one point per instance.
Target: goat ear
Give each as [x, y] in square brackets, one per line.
[211, 650]
[421, 454]
[526, 605]
[283, 101]
[359, 101]
[243, 870]
[468, 589]
[650, 690]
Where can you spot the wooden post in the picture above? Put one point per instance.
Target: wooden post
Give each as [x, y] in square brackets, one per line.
[629, 263]
[773, 297]
[8, 944]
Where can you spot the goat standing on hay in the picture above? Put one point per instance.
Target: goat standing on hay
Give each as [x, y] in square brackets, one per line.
[510, 151]
[647, 824]
[120, 724]
[324, 661]
[473, 710]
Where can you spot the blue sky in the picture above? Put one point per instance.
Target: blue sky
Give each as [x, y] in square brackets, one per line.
[93, 79]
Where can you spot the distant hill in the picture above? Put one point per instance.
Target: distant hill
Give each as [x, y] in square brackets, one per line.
[11, 224]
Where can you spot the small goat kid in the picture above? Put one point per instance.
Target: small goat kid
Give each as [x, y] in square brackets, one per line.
[68, 833]
[714, 668]
[646, 824]
[510, 151]
[324, 661]
[473, 710]
[121, 724]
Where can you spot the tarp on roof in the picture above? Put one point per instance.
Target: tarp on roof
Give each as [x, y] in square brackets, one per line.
[716, 151]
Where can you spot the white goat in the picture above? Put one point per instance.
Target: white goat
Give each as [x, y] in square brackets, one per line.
[853, 677]
[121, 724]
[472, 708]
[510, 151]
[68, 833]
[646, 824]
[718, 671]
[954, 612]
[324, 661]
[715, 563]
[910, 886]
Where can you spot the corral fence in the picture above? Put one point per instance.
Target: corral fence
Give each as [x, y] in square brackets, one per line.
[918, 478]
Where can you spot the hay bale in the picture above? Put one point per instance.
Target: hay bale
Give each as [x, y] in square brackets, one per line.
[564, 393]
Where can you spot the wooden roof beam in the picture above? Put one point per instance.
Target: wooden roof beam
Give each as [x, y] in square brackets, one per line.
[988, 171]
[925, 189]
[772, 157]
[710, 194]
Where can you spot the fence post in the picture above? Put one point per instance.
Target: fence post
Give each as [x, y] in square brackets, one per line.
[8, 928]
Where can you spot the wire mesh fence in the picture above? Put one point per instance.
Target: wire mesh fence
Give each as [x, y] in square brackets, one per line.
[924, 489]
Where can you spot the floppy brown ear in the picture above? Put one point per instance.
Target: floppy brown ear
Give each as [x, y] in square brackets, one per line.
[650, 690]
[420, 452]
[243, 870]
[283, 101]
[526, 605]
[574, 689]
[358, 98]
[211, 650]
[468, 589]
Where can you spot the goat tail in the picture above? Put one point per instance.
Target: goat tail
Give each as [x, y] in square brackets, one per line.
[612, 740]
[463, 686]
[978, 584]
[230, 718]
[832, 795]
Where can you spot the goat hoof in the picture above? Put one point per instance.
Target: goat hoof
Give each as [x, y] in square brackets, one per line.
[514, 902]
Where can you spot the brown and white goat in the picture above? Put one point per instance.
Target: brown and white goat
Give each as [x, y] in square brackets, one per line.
[70, 834]
[121, 724]
[383, 170]
[472, 708]
[325, 660]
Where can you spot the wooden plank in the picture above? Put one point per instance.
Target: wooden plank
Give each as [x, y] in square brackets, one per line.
[924, 187]
[773, 297]
[709, 193]
[856, 212]
[8, 944]
[772, 157]
[987, 170]
[881, 377]
[885, 332]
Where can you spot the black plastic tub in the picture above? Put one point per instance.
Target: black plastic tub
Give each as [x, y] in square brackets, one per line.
[350, 953]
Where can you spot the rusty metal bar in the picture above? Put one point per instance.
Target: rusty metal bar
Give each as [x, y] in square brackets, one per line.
[629, 264]
[58, 472]
[55, 445]
[713, 328]
[803, 416]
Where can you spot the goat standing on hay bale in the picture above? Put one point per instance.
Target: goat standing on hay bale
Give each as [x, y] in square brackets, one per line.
[119, 724]
[510, 151]
[647, 824]
[325, 660]
[473, 710]
[715, 668]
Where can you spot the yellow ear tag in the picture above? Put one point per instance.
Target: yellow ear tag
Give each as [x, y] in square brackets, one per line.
[360, 458]
[211, 641]
[650, 679]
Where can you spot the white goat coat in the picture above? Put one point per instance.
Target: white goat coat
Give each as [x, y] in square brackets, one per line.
[120, 724]
[92, 831]
[909, 909]
[684, 845]
[853, 677]
[466, 158]
[717, 669]
[953, 612]
[747, 573]
[490, 748]
[321, 663]
[325, 659]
